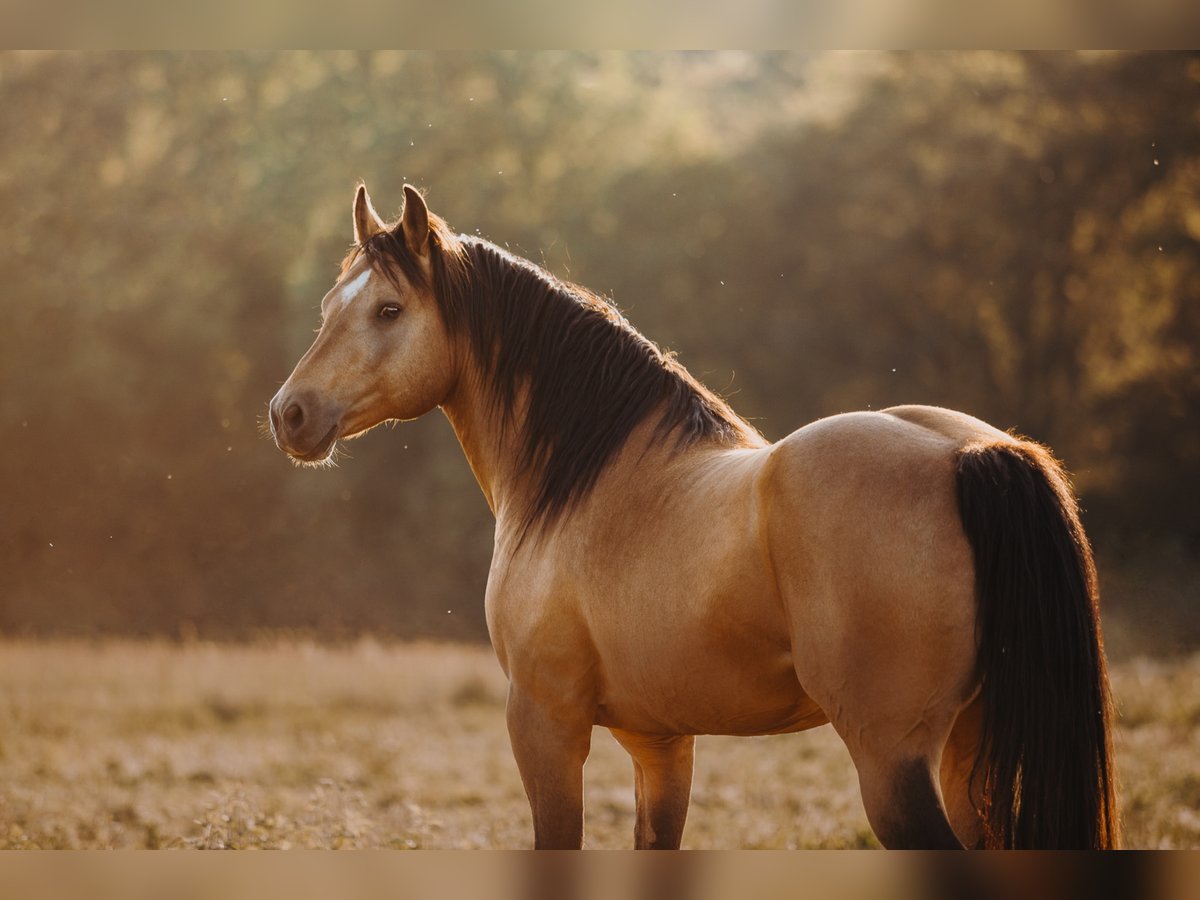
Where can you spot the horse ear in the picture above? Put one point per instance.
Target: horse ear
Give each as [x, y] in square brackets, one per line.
[415, 221]
[367, 223]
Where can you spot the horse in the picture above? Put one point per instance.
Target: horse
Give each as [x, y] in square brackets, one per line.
[913, 576]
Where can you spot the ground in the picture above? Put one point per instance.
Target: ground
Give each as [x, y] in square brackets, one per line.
[294, 744]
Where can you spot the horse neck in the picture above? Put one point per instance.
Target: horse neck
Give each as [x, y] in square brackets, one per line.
[490, 443]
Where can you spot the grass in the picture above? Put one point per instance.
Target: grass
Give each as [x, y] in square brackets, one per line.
[293, 744]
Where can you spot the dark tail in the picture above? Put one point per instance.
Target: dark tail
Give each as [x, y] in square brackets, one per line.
[1045, 768]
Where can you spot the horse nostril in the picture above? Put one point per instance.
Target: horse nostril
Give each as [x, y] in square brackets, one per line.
[293, 416]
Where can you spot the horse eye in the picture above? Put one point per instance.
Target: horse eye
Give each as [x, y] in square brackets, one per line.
[389, 311]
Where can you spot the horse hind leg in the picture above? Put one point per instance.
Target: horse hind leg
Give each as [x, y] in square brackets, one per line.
[904, 804]
[957, 769]
[925, 800]
[899, 746]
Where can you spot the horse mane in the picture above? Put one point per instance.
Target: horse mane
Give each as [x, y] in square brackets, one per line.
[591, 376]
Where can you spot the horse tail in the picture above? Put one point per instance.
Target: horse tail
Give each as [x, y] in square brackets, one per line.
[1045, 772]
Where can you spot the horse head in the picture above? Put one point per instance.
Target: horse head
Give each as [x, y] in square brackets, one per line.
[383, 350]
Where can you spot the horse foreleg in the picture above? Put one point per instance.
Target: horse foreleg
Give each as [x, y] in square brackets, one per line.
[662, 767]
[550, 750]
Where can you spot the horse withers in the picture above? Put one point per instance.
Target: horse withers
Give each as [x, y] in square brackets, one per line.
[913, 576]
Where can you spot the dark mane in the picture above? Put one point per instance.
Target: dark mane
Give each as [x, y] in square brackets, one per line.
[592, 378]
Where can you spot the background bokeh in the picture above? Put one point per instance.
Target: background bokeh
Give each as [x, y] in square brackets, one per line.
[1014, 235]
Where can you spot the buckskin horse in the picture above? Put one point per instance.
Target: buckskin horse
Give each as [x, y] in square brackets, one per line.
[914, 576]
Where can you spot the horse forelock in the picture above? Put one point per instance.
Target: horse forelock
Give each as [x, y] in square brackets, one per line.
[588, 377]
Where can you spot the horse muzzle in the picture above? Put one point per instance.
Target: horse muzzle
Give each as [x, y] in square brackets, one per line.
[302, 426]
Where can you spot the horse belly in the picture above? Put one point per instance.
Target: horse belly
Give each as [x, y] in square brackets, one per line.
[682, 660]
[725, 694]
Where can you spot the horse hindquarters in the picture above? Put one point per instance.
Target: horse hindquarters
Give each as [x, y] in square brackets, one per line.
[1045, 769]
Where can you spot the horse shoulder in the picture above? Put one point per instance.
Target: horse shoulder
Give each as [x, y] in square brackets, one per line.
[534, 619]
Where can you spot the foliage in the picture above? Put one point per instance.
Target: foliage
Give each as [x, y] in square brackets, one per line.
[1011, 234]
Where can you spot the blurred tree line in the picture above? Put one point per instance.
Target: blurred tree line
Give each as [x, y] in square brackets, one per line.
[1013, 235]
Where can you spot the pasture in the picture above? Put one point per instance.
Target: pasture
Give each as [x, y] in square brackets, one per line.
[287, 743]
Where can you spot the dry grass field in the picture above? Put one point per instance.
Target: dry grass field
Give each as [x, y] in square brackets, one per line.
[293, 744]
